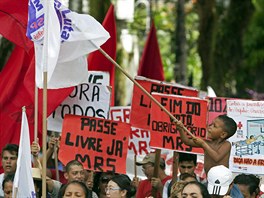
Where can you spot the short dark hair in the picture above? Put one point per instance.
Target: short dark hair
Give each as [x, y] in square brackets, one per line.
[11, 148]
[249, 180]
[230, 125]
[9, 177]
[184, 176]
[124, 182]
[72, 163]
[188, 157]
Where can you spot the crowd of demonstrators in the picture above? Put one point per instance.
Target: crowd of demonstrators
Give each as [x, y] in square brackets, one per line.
[84, 183]
[75, 181]
[187, 164]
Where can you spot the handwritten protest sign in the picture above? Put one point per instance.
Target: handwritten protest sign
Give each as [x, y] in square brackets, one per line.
[247, 153]
[139, 138]
[191, 111]
[120, 113]
[86, 99]
[140, 109]
[100, 144]
[217, 106]
[98, 77]
[138, 143]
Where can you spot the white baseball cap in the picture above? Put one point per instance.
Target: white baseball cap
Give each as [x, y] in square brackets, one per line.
[219, 178]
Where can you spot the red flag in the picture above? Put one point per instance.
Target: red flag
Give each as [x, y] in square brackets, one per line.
[14, 96]
[97, 61]
[18, 76]
[13, 20]
[150, 65]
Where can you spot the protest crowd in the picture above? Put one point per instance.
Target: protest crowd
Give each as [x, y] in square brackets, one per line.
[75, 181]
[169, 143]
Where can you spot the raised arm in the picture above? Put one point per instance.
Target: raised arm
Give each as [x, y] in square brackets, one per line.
[184, 137]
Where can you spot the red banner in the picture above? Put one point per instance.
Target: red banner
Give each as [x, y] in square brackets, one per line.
[100, 144]
[191, 111]
[140, 108]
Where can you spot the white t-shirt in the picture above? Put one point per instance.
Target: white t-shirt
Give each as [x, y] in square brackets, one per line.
[1, 181]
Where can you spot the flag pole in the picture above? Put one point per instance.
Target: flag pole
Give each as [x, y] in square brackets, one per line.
[44, 105]
[36, 114]
[175, 165]
[173, 119]
[44, 135]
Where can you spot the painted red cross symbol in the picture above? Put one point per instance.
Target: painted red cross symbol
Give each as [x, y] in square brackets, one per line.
[239, 125]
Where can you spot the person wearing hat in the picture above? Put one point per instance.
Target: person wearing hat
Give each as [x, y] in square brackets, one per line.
[219, 181]
[145, 186]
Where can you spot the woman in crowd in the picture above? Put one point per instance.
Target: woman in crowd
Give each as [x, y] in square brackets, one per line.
[195, 189]
[120, 187]
[74, 189]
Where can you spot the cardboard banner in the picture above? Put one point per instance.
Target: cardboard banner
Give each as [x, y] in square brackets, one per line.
[190, 110]
[140, 108]
[247, 152]
[100, 144]
[87, 100]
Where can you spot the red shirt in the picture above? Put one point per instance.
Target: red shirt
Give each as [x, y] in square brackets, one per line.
[144, 188]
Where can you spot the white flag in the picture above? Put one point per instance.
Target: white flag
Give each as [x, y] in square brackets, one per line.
[71, 36]
[23, 185]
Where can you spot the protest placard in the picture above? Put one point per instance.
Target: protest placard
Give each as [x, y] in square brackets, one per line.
[120, 113]
[141, 103]
[100, 144]
[190, 110]
[216, 107]
[98, 77]
[139, 145]
[86, 99]
[247, 152]
[139, 138]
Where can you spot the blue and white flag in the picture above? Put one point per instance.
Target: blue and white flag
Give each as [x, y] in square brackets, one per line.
[23, 185]
[70, 37]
